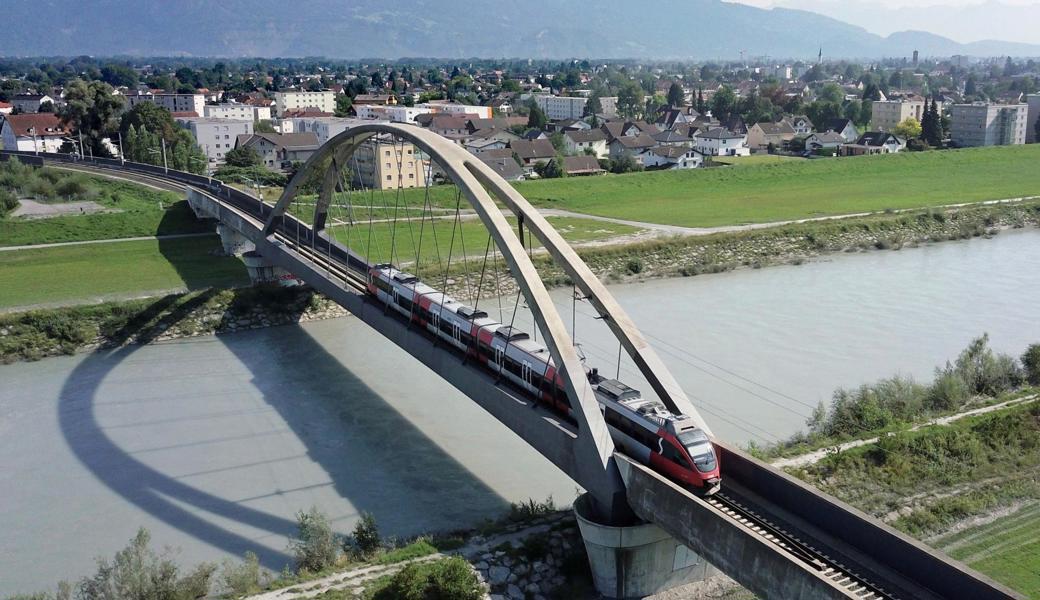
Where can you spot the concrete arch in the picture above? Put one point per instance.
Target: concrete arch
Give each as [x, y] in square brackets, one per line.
[475, 178]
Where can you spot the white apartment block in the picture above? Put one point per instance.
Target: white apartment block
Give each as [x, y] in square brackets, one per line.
[216, 137]
[175, 103]
[559, 108]
[291, 100]
[886, 114]
[396, 114]
[325, 128]
[1032, 116]
[446, 107]
[239, 112]
[982, 124]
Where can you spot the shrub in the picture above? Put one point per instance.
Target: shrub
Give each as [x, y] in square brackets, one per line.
[634, 266]
[8, 201]
[71, 187]
[531, 509]
[1031, 364]
[985, 372]
[447, 579]
[138, 572]
[244, 578]
[947, 392]
[39, 188]
[314, 546]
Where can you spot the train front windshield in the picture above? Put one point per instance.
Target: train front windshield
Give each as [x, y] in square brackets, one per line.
[699, 447]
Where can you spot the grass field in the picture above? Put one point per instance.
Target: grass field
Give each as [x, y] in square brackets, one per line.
[70, 274]
[755, 159]
[1007, 549]
[799, 189]
[141, 212]
[472, 240]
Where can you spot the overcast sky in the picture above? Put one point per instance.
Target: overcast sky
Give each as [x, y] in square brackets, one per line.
[961, 20]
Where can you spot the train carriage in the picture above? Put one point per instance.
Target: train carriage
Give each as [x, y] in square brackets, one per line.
[642, 428]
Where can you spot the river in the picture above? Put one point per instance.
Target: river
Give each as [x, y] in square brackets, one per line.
[214, 443]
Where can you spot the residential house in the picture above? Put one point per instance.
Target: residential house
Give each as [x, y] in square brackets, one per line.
[501, 106]
[616, 129]
[800, 123]
[375, 99]
[672, 157]
[828, 141]
[578, 142]
[6, 108]
[571, 125]
[632, 145]
[874, 142]
[276, 150]
[505, 167]
[237, 111]
[32, 132]
[680, 136]
[575, 166]
[449, 125]
[668, 117]
[30, 103]
[532, 152]
[843, 127]
[982, 124]
[719, 141]
[779, 134]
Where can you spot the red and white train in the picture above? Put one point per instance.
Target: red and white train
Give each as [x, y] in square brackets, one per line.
[642, 428]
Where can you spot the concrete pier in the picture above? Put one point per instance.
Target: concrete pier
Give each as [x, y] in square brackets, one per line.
[636, 560]
[263, 271]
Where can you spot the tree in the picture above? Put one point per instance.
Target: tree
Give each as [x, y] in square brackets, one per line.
[723, 103]
[593, 107]
[536, 118]
[264, 126]
[119, 75]
[150, 116]
[243, 157]
[91, 109]
[630, 100]
[676, 96]
[1031, 364]
[557, 141]
[872, 92]
[701, 106]
[343, 104]
[908, 128]
[931, 125]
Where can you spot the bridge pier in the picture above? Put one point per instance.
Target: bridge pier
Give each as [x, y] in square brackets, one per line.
[633, 561]
[234, 243]
[262, 270]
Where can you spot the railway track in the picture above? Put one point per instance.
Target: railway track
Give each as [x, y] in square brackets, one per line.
[814, 558]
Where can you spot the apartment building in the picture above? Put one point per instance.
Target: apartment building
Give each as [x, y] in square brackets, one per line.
[384, 164]
[216, 137]
[324, 101]
[558, 108]
[325, 128]
[1032, 116]
[239, 112]
[984, 124]
[175, 103]
[886, 114]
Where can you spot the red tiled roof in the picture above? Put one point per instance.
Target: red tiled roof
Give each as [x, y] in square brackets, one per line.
[45, 124]
[184, 114]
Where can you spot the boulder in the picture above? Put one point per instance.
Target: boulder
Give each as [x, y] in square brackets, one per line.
[497, 575]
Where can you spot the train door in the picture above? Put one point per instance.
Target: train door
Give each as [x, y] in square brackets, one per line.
[435, 318]
[396, 295]
[456, 332]
[498, 359]
[526, 373]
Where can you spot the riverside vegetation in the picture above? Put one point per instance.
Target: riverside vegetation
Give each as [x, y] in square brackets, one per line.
[969, 485]
[432, 568]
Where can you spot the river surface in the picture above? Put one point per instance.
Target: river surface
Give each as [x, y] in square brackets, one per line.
[214, 443]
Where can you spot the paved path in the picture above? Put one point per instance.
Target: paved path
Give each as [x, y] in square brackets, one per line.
[172, 236]
[817, 455]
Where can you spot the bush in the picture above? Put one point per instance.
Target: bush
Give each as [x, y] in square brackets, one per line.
[314, 546]
[947, 392]
[138, 572]
[985, 372]
[244, 578]
[447, 579]
[8, 201]
[634, 266]
[1031, 364]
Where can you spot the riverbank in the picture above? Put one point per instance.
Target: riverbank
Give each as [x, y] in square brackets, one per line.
[36, 334]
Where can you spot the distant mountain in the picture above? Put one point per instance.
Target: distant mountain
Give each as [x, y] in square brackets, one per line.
[681, 29]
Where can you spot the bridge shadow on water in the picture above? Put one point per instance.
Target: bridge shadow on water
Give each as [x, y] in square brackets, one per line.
[373, 456]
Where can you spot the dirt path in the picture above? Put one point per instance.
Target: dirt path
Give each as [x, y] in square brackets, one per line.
[681, 230]
[172, 236]
[817, 455]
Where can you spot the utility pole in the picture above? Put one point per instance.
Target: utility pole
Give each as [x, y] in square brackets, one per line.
[82, 154]
[36, 147]
[122, 157]
[166, 168]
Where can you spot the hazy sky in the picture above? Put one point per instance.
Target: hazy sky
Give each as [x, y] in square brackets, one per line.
[961, 20]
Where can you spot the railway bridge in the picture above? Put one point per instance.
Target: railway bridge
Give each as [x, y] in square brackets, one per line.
[770, 532]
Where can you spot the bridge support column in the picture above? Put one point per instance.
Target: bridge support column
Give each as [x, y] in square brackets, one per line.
[234, 243]
[262, 270]
[636, 560]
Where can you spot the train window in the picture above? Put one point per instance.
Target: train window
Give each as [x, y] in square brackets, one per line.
[671, 453]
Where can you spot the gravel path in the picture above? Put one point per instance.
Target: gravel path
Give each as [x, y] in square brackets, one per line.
[172, 236]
